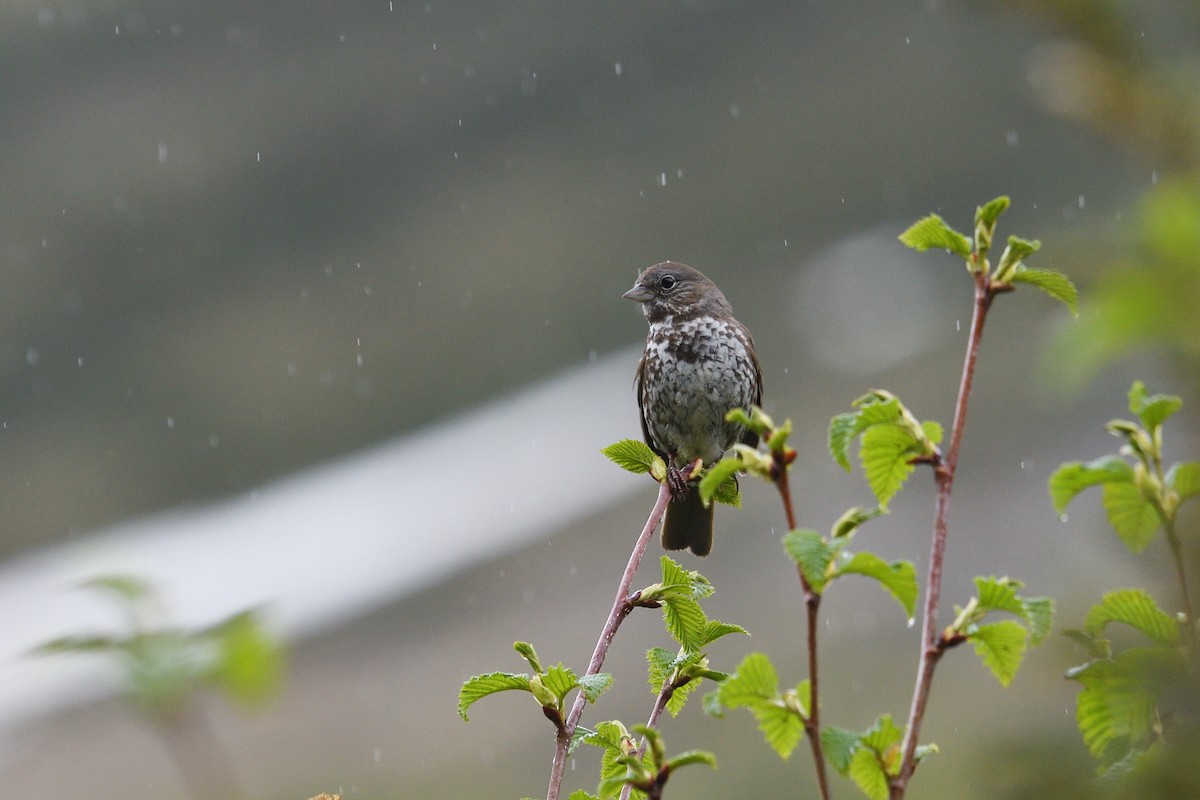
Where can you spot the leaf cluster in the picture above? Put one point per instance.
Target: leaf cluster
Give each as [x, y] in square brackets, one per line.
[870, 758]
[549, 686]
[1127, 696]
[1000, 645]
[679, 674]
[637, 457]
[823, 559]
[933, 232]
[1140, 496]
[620, 764]
[891, 441]
[165, 666]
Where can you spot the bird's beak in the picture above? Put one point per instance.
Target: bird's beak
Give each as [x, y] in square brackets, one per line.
[639, 293]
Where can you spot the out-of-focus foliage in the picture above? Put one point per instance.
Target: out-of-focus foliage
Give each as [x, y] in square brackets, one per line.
[1146, 283]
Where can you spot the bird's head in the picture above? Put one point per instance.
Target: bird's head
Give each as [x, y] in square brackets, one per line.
[676, 290]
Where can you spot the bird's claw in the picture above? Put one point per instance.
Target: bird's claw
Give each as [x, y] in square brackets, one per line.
[677, 479]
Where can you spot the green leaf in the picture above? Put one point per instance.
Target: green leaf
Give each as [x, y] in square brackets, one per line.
[692, 757]
[1117, 710]
[781, 727]
[754, 680]
[812, 554]
[631, 455]
[850, 521]
[899, 578]
[882, 736]
[875, 408]
[1001, 646]
[885, 455]
[1136, 608]
[933, 232]
[1072, 478]
[78, 644]
[685, 621]
[714, 629]
[680, 695]
[839, 745]
[580, 794]
[989, 212]
[1039, 611]
[1051, 282]
[727, 493]
[250, 662]
[999, 594]
[661, 663]
[717, 476]
[489, 683]
[593, 686]
[559, 680]
[867, 773]
[1018, 249]
[1152, 410]
[1184, 479]
[526, 651]
[933, 431]
[841, 433]
[1132, 516]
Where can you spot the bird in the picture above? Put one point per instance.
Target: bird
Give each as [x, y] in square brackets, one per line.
[698, 364]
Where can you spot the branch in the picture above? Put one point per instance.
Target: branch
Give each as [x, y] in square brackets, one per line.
[620, 609]
[812, 603]
[932, 646]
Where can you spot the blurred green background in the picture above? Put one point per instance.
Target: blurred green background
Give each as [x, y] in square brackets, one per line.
[242, 238]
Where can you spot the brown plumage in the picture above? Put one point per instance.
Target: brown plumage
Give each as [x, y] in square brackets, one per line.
[698, 364]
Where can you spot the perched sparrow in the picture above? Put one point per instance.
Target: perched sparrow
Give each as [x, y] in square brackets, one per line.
[698, 364]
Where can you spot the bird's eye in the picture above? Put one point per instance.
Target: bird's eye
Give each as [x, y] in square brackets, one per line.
[667, 283]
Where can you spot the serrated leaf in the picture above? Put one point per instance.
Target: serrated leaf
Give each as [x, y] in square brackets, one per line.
[885, 455]
[728, 494]
[679, 696]
[718, 474]
[812, 554]
[482, 685]
[1116, 711]
[1184, 479]
[852, 519]
[1136, 608]
[1072, 478]
[559, 680]
[1017, 250]
[898, 578]
[685, 621]
[714, 629]
[712, 704]
[580, 794]
[867, 773]
[630, 455]
[593, 686]
[989, 212]
[661, 663]
[881, 736]
[754, 680]
[781, 727]
[1152, 410]
[1001, 646]
[933, 232]
[998, 594]
[1051, 282]
[841, 433]
[839, 745]
[1039, 611]
[1132, 516]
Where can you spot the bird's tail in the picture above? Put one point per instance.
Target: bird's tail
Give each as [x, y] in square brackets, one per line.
[688, 524]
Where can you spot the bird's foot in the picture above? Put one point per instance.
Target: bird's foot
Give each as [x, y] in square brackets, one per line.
[677, 479]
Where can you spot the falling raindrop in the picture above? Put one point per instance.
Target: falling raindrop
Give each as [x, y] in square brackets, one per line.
[912, 621]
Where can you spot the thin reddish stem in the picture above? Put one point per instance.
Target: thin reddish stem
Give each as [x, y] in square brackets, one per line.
[620, 609]
[932, 646]
[812, 604]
